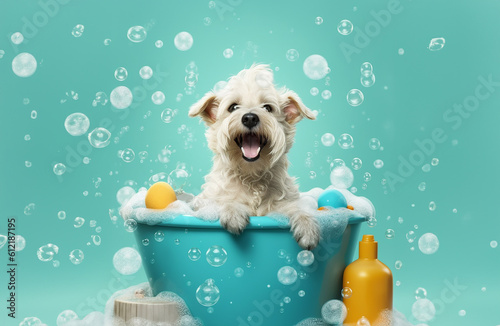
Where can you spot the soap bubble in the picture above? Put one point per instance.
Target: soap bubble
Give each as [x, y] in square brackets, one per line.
[341, 177]
[435, 161]
[401, 51]
[158, 97]
[159, 44]
[366, 69]
[318, 20]
[124, 194]
[128, 155]
[164, 155]
[428, 243]
[287, 275]
[183, 41]
[367, 176]
[130, 225]
[372, 221]
[137, 34]
[305, 258]
[77, 124]
[167, 115]
[292, 55]
[47, 252]
[121, 97]
[378, 164]
[31, 321]
[345, 141]
[121, 73]
[59, 168]
[432, 206]
[346, 292]
[314, 91]
[356, 163]
[355, 97]
[423, 310]
[227, 53]
[426, 167]
[127, 261]
[178, 179]
[422, 186]
[315, 67]
[238, 272]
[345, 27]
[389, 234]
[493, 244]
[208, 293]
[100, 98]
[146, 72]
[24, 64]
[328, 139]
[326, 94]
[194, 254]
[17, 38]
[79, 221]
[374, 144]
[216, 256]
[96, 239]
[99, 137]
[78, 30]
[76, 256]
[19, 242]
[368, 81]
[410, 236]
[159, 236]
[61, 215]
[420, 293]
[398, 264]
[191, 79]
[436, 44]
[334, 312]
[66, 317]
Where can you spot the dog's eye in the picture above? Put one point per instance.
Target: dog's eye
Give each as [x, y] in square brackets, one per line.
[268, 108]
[232, 107]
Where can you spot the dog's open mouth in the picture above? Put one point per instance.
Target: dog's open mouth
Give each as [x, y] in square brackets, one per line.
[251, 145]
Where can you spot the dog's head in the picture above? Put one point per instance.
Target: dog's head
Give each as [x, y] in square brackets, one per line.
[251, 123]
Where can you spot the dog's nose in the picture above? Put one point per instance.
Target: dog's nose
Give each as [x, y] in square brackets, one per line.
[250, 120]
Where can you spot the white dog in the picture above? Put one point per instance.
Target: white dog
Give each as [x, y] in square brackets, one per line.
[251, 128]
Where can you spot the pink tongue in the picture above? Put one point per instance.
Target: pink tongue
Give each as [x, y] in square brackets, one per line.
[250, 145]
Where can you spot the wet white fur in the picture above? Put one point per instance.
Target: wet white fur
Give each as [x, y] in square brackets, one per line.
[241, 188]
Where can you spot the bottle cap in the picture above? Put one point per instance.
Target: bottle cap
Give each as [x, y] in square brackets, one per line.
[368, 247]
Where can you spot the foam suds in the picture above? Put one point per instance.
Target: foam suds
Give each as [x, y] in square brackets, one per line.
[387, 318]
[135, 208]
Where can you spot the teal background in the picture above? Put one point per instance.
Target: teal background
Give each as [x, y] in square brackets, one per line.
[407, 102]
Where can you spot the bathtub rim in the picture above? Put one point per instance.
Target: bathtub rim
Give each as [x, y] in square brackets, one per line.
[256, 222]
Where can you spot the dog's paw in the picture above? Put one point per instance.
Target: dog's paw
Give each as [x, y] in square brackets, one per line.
[234, 221]
[306, 232]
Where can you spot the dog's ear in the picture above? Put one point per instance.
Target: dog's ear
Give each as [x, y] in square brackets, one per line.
[294, 109]
[206, 107]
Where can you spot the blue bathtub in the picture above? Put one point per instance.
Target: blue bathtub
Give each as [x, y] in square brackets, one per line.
[254, 297]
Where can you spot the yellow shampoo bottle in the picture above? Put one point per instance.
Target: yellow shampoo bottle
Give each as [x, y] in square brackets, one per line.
[367, 287]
